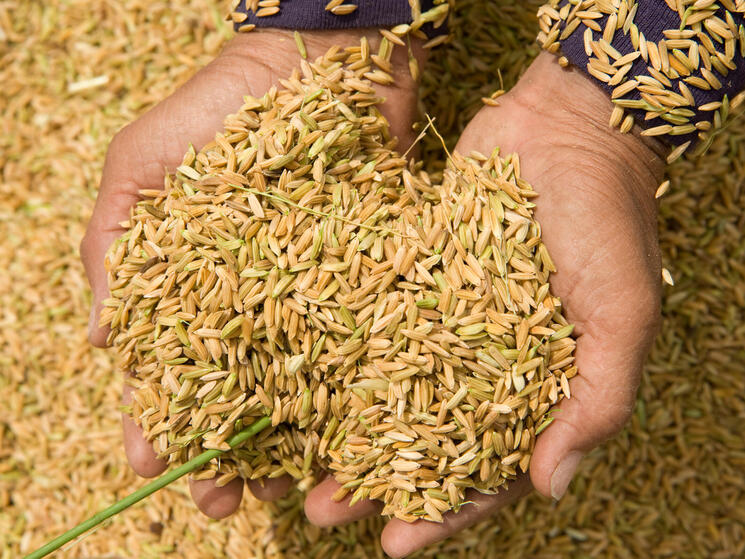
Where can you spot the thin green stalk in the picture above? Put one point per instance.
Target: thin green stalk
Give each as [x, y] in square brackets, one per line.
[149, 489]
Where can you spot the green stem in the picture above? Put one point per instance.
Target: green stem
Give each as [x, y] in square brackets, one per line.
[149, 489]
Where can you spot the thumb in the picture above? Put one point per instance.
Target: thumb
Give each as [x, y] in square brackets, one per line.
[601, 401]
[115, 198]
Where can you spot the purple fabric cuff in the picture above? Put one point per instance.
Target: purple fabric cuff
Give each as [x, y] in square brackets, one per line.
[310, 14]
[652, 19]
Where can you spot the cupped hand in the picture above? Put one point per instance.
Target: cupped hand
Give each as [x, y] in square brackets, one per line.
[140, 153]
[597, 211]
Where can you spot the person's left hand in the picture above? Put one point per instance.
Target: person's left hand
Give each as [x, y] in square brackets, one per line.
[598, 216]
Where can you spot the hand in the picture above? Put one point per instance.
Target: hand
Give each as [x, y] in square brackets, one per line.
[139, 153]
[598, 216]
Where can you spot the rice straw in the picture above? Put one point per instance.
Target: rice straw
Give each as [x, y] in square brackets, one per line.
[149, 489]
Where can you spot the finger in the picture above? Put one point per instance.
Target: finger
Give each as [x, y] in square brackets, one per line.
[400, 538]
[602, 399]
[270, 489]
[323, 511]
[140, 453]
[216, 502]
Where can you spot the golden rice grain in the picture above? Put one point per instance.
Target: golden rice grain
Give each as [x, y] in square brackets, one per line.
[662, 189]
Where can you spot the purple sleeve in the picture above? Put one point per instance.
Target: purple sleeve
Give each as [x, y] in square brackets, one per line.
[697, 61]
[311, 14]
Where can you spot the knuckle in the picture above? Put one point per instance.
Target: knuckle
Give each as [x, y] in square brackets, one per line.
[121, 140]
[650, 305]
[83, 248]
[616, 416]
[605, 409]
[607, 421]
[86, 247]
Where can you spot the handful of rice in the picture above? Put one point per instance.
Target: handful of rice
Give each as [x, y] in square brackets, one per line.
[399, 331]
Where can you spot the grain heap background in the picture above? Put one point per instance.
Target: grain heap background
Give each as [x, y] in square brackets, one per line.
[75, 72]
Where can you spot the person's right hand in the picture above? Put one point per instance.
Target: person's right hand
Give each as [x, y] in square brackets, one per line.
[138, 155]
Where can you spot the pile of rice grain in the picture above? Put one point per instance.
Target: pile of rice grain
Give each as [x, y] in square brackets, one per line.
[400, 333]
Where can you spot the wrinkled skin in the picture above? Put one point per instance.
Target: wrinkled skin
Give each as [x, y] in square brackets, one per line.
[596, 209]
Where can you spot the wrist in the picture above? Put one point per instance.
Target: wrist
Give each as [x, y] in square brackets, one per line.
[581, 109]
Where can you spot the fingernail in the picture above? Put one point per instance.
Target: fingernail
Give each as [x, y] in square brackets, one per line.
[564, 473]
